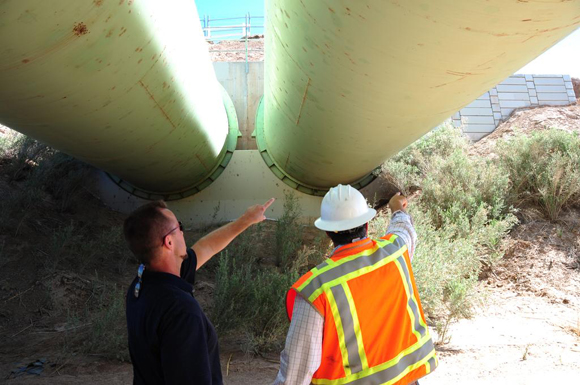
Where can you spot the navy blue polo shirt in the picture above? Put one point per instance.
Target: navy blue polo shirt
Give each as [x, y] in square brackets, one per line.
[171, 341]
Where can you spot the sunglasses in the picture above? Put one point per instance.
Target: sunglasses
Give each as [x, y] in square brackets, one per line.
[180, 227]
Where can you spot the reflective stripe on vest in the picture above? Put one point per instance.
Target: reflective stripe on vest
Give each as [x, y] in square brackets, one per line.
[331, 272]
[421, 353]
[331, 279]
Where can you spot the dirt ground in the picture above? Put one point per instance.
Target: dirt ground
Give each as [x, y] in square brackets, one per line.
[528, 120]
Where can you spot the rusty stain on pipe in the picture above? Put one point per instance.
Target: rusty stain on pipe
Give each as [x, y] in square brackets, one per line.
[201, 161]
[157, 104]
[302, 104]
[80, 29]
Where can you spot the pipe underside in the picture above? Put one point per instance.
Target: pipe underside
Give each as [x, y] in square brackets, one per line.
[350, 83]
[127, 86]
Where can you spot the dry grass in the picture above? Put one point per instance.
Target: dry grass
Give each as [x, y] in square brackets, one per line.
[574, 329]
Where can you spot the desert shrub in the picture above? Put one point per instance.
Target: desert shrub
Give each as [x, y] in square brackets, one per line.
[42, 185]
[64, 178]
[453, 184]
[249, 297]
[250, 300]
[448, 261]
[62, 244]
[4, 146]
[97, 326]
[543, 168]
[311, 255]
[288, 231]
[446, 268]
[26, 155]
[42, 179]
[7, 140]
[21, 156]
[243, 248]
[461, 217]
[107, 332]
[412, 164]
[402, 174]
[441, 142]
[457, 185]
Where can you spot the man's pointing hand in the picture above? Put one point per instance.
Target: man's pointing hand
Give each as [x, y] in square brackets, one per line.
[255, 214]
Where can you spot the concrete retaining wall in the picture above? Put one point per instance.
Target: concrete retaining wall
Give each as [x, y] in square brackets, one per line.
[483, 115]
[246, 90]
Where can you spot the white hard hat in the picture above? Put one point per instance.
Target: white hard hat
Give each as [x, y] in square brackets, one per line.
[343, 208]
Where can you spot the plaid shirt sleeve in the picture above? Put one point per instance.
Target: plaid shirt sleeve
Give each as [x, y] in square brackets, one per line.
[301, 356]
[402, 225]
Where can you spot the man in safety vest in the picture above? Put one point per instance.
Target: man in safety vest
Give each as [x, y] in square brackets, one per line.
[356, 318]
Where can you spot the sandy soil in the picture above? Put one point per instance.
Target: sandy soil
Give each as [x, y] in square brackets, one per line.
[528, 120]
[222, 50]
[514, 339]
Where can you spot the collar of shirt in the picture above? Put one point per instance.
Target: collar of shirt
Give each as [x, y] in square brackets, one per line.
[157, 277]
[341, 248]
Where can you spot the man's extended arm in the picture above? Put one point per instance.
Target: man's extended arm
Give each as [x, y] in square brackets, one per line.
[401, 223]
[217, 240]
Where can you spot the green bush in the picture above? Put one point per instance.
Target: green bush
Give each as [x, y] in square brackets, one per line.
[461, 216]
[440, 142]
[248, 299]
[543, 168]
[453, 185]
[448, 261]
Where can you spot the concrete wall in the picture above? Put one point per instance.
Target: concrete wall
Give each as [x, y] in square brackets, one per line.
[482, 116]
[246, 90]
[246, 181]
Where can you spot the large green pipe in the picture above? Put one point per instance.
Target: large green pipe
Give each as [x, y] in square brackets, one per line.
[350, 83]
[125, 85]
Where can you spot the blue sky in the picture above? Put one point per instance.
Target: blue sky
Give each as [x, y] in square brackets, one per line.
[563, 58]
[229, 8]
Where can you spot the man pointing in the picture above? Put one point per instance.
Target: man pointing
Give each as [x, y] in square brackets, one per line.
[356, 318]
[171, 341]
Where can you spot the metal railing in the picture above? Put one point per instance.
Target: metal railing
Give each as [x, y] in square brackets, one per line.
[219, 29]
[226, 29]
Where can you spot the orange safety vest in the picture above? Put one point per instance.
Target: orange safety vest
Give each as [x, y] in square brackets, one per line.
[374, 328]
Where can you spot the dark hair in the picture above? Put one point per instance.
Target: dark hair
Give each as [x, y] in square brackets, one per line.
[144, 229]
[347, 236]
